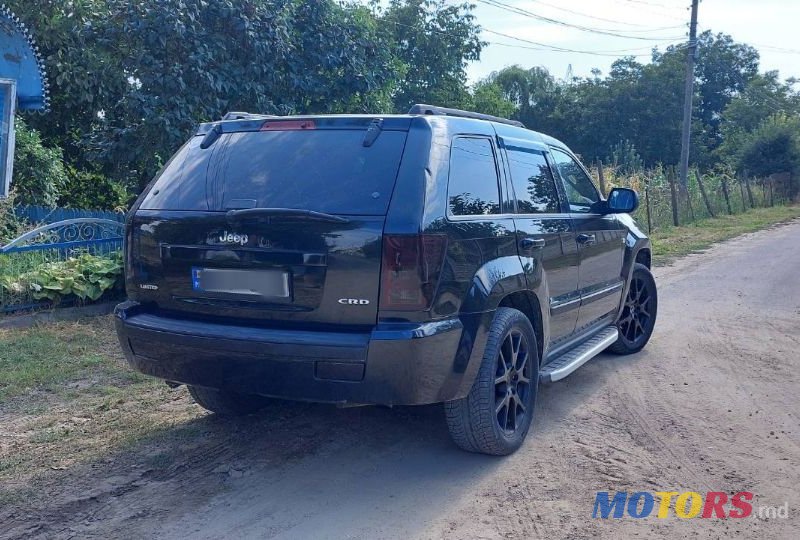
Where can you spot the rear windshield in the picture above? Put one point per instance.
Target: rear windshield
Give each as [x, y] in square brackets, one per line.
[322, 170]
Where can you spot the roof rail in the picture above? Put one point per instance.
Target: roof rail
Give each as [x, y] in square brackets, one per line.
[233, 115]
[421, 108]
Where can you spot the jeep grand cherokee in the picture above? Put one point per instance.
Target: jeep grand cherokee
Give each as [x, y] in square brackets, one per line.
[435, 257]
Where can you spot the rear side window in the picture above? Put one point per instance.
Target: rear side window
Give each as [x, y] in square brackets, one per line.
[534, 186]
[473, 187]
[323, 170]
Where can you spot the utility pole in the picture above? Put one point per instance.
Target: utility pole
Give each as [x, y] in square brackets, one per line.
[691, 53]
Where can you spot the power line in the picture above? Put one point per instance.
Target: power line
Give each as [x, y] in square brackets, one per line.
[564, 50]
[654, 4]
[537, 46]
[772, 48]
[770, 99]
[650, 10]
[601, 31]
[555, 48]
[644, 27]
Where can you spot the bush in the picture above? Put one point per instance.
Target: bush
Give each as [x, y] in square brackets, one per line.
[773, 148]
[11, 226]
[39, 173]
[93, 191]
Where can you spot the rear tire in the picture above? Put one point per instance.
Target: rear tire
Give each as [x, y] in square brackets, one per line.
[638, 317]
[494, 418]
[225, 402]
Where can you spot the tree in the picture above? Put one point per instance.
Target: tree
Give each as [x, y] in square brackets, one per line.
[131, 80]
[189, 61]
[39, 174]
[533, 91]
[724, 70]
[773, 148]
[84, 74]
[764, 96]
[433, 41]
[488, 98]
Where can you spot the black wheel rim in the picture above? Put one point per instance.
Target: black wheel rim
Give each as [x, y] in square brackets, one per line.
[512, 385]
[637, 313]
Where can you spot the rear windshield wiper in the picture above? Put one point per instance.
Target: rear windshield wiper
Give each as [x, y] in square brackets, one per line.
[290, 213]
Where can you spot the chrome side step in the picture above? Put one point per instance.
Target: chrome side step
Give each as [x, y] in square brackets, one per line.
[572, 360]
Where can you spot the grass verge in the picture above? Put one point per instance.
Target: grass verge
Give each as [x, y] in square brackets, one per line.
[678, 241]
[67, 397]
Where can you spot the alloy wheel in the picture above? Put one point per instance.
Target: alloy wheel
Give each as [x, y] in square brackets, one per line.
[512, 382]
[636, 315]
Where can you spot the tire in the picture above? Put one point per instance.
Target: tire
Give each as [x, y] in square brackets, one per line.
[638, 317]
[225, 402]
[475, 420]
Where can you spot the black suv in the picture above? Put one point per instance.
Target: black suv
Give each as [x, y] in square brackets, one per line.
[438, 256]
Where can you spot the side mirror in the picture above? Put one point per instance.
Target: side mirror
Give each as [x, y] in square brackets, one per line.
[622, 201]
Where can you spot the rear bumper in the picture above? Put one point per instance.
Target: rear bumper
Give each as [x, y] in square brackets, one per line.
[395, 364]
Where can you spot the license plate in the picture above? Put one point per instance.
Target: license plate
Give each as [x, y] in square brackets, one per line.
[255, 283]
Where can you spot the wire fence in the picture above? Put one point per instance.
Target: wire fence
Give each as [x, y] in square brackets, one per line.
[666, 203]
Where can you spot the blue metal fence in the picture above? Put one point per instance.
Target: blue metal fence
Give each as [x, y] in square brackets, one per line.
[50, 243]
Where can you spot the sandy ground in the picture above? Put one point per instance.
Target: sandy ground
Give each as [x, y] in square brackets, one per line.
[711, 404]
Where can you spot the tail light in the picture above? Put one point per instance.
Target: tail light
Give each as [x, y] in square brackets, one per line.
[130, 249]
[288, 125]
[410, 270]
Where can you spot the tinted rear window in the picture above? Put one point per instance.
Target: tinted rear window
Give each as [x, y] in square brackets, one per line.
[472, 188]
[322, 170]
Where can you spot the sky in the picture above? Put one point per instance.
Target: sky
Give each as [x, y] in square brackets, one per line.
[768, 25]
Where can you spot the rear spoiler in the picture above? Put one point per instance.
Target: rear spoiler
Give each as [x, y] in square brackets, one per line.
[235, 122]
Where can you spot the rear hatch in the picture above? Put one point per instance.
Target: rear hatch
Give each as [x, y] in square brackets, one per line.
[277, 221]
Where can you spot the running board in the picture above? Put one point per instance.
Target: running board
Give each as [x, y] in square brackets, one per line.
[572, 360]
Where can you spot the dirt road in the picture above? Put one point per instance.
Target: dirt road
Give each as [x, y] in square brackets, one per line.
[712, 404]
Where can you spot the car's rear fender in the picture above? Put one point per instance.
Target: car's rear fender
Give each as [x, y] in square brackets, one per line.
[492, 284]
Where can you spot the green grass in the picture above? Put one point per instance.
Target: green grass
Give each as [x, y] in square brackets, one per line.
[67, 397]
[50, 357]
[678, 241]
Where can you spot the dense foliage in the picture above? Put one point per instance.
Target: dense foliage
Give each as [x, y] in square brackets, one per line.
[85, 276]
[632, 117]
[130, 81]
[39, 174]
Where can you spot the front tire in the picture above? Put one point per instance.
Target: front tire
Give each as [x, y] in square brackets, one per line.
[225, 402]
[638, 318]
[494, 418]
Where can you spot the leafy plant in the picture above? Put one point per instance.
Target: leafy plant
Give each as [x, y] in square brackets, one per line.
[86, 277]
[39, 174]
[11, 225]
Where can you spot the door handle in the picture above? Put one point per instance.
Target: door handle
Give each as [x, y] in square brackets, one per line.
[586, 239]
[531, 243]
